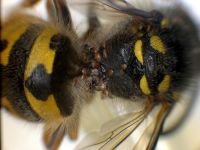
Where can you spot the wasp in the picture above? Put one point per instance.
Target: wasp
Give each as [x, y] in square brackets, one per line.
[49, 73]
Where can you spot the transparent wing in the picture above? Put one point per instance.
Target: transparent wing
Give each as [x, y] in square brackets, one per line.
[151, 133]
[125, 7]
[136, 130]
[109, 8]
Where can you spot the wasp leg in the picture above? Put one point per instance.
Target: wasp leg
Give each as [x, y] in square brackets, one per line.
[73, 132]
[5, 103]
[52, 140]
[58, 12]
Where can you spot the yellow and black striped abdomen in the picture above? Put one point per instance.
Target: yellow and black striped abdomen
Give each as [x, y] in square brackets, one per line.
[37, 76]
[36, 62]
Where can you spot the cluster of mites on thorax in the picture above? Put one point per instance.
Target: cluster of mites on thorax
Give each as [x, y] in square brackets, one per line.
[94, 72]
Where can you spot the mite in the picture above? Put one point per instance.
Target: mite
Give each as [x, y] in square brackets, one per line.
[49, 73]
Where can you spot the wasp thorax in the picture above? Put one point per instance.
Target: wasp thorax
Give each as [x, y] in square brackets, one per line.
[142, 65]
[151, 64]
[132, 66]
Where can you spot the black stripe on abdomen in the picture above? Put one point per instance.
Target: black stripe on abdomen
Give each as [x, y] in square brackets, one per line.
[66, 67]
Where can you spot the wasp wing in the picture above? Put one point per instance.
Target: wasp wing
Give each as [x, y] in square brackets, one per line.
[109, 8]
[126, 8]
[150, 135]
[112, 132]
[136, 130]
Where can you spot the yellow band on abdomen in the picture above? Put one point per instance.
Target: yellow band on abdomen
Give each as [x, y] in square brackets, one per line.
[41, 54]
